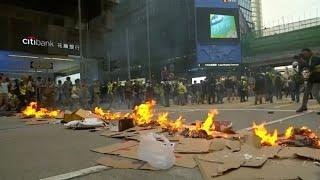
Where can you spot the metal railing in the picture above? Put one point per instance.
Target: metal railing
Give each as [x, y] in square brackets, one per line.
[283, 28]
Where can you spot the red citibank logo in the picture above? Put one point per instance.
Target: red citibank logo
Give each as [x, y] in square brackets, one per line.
[34, 41]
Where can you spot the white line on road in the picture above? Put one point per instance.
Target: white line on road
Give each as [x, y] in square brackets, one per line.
[78, 173]
[227, 109]
[279, 120]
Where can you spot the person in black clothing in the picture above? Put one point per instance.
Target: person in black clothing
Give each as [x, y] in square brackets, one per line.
[278, 87]
[259, 88]
[229, 86]
[211, 90]
[311, 63]
[269, 86]
[167, 90]
[203, 85]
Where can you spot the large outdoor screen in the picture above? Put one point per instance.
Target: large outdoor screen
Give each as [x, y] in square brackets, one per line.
[222, 26]
[217, 32]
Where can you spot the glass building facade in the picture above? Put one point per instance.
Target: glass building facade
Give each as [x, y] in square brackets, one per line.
[246, 10]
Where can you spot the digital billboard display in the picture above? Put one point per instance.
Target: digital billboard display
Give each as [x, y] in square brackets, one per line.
[218, 31]
[222, 26]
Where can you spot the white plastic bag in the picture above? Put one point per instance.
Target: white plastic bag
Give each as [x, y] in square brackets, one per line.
[87, 123]
[158, 154]
[92, 122]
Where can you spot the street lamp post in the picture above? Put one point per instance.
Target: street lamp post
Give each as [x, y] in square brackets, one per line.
[148, 39]
[128, 54]
[82, 64]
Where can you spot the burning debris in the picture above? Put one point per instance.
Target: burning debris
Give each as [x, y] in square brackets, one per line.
[266, 138]
[143, 114]
[208, 129]
[33, 110]
[171, 126]
[109, 116]
[292, 137]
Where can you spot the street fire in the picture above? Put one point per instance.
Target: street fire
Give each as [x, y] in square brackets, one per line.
[143, 114]
[292, 137]
[169, 125]
[310, 138]
[109, 115]
[202, 130]
[266, 138]
[208, 125]
[289, 133]
[34, 111]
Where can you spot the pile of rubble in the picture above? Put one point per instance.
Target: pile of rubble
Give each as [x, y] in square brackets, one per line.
[236, 156]
[210, 145]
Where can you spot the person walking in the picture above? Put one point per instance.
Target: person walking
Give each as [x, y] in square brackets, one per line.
[311, 63]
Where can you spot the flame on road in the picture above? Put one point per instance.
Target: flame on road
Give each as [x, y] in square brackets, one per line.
[143, 114]
[208, 125]
[109, 115]
[266, 138]
[33, 110]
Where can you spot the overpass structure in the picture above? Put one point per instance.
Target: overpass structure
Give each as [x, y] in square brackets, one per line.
[277, 45]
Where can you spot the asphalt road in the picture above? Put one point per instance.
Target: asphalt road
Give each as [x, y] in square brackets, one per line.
[35, 152]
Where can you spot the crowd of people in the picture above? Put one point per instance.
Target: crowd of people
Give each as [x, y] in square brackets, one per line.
[265, 85]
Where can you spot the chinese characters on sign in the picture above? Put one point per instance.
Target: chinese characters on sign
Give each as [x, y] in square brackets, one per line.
[68, 46]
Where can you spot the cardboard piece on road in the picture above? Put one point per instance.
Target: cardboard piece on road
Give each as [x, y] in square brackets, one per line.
[217, 144]
[274, 170]
[146, 131]
[120, 125]
[225, 160]
[84, 114]
[37, 122]
[233, 145]
[175, 138]
[130, 152]
[288, 152]
[113, 148]
[223, 157]
[192, 145]
[138, 128]
[110, 133]
[185, 160]
[208, 169]
[254, 157]
[309, 153]
[269, 151]
[80, 114]
[125, 134]
[134, 138]
[124, 163]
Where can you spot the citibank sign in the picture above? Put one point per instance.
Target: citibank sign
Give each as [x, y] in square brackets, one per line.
[34, 41]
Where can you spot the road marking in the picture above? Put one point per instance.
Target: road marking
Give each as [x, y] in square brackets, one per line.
[231, 109]
[78, 173]
[280, 120]
[283, 105]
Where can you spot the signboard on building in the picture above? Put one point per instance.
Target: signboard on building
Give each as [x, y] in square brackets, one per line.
[23, 36]
[218, 31]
